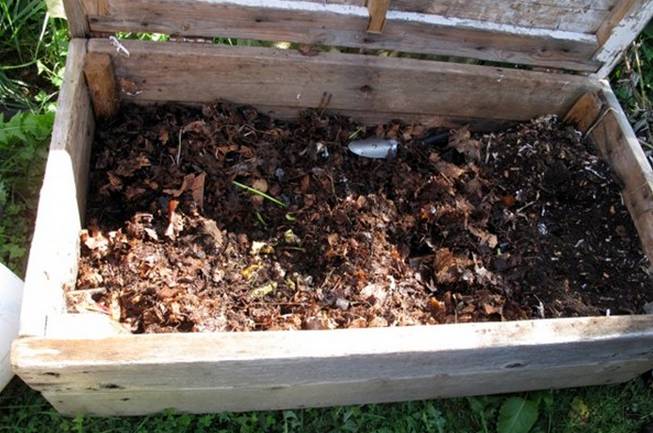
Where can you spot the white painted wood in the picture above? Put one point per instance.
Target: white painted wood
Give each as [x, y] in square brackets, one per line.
[54, 252]
[621, 34]
[11, 294]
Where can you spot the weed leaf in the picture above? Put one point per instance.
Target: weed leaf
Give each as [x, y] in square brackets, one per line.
[517, 415]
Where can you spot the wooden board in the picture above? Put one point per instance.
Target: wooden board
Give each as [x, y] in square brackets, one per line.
[398, 88]
[382, 390]
[55, 245]
[573, 15]
[324, 23]
[102, 84]
[619, 30]
[257, 370]
[578, 35]
[617, 142]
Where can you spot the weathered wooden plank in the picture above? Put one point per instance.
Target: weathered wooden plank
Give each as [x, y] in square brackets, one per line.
[77, 18]
[350, 356]
[616, 140]
[345, 25]
[102, 84]
[585, 111]
[573, 15]
[380, 390]
[619, 30]
[55, 245]
[269, 77]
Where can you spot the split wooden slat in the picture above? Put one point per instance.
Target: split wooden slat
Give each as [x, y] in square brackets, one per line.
[102, 84]
[55, 245]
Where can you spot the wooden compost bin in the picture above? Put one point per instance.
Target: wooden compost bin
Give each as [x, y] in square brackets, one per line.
[82, 363]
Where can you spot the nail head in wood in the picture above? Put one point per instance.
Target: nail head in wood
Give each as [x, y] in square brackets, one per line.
[377, 10]
[101, 81]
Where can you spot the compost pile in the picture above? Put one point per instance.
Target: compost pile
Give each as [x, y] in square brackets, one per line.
[222, 219]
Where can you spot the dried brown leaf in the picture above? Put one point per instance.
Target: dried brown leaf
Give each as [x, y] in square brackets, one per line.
[462, 141]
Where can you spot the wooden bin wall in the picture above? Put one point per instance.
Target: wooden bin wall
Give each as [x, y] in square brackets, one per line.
[83, 364]
[578, 35]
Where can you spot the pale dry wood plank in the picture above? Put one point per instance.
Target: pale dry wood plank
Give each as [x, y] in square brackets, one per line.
[83, 325]
[619, 30]
[377, 10]
[616, 140]
[345, 25]
[290, 358]
[269, 77]
[77, 17]
[102, 84]
[576, 15]
[380, 390]
[54, 251]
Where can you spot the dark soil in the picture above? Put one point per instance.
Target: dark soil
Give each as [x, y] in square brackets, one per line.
[527, 223]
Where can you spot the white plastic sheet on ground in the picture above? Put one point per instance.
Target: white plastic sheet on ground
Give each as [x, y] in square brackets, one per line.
[11, 293]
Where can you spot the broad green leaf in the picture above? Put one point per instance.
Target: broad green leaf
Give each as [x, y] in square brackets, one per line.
[517, 415]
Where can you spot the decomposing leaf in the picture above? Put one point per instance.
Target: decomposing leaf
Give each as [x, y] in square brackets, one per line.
[462, 141]
[193, 183]
[259, 247]
[448, 266]
[264, 290]
[485, 237]
[197, 189]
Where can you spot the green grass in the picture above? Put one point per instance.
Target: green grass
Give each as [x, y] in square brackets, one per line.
[33, 49]
[614, 409]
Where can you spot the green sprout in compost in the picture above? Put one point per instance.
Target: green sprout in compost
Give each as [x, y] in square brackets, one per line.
[260, 193]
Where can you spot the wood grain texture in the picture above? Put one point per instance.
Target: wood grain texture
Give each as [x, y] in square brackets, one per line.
[616, 140]
[253, 359]
[582, 16]
[619, 30]
[286, 79]
[377, 10]
[323, 23]
[585, 111]
[102, 84]
[572, 15]
[381, 390]
[55, 245]
[77, 17]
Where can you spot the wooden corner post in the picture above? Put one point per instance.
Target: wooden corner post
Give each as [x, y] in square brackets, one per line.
[102, 84]
[377, 10]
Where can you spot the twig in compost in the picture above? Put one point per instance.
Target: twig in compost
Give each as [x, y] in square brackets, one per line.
[260, 193]
[178, 160]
